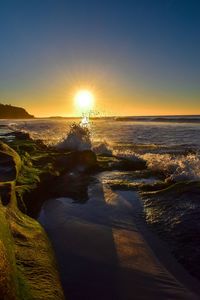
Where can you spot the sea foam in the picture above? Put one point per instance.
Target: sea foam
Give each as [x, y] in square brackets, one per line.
[77, 139]
[175, 168]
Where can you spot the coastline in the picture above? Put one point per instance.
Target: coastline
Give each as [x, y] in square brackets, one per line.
[44, 173]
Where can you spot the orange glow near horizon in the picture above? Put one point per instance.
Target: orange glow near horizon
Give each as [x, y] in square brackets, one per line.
[107, 99]
[110, 108]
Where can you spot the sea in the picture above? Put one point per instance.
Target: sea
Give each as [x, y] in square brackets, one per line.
[170, 144]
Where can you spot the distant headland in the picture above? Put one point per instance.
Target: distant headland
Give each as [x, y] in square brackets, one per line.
[13, 112]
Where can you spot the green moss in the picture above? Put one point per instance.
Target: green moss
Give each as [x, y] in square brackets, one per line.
[22, 146]
[36, 269]
[27, 264]
[29, 175]
[5, 149]
[28, 268]
[104, 162]
[8, 278]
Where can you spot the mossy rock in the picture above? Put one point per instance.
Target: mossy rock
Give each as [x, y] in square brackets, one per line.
[27, 264]
[10, 163]
[109, 163]
[8, 273]
[130, 165]
[80, 160]
[37, 273]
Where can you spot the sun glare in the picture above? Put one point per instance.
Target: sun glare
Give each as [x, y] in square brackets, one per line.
[84, 99]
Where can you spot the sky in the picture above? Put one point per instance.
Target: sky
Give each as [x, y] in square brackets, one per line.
[138, 57]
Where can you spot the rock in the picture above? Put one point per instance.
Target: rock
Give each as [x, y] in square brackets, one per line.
[27, 264]
[10, 163]
[81, 161]
[5, 193]
[20, 135]
[103, 149]
[109, 163]
[130, 165]
[71, 185]
[86, 160]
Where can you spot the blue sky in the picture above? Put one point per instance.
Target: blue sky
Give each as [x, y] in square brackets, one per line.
[142, 54]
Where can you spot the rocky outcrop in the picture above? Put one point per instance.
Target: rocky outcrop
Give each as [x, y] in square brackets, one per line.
[30, 173]
[13, 112]
[27, 264]
[10, 163]
[81, 161]
[116, 163]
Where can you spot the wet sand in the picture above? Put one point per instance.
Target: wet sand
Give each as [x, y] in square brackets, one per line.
[103, 249]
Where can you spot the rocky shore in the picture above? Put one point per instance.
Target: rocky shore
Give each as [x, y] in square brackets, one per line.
[31, 172]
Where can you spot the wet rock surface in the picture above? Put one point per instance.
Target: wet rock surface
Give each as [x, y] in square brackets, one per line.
[116, 163]
[175, 213]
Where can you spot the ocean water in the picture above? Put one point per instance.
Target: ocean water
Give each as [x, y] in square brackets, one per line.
[169, 144]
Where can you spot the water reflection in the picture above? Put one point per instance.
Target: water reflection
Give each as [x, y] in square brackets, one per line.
[100, 252]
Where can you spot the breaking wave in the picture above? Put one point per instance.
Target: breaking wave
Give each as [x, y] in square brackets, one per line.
[175, 168]
[77, 139]
[128, 154]
[173, 160]
[49, 131]
[103, 148]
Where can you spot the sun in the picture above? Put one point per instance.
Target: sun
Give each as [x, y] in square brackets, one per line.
[84, 99]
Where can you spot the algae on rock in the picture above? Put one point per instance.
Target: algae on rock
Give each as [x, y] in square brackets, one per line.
[28, 268]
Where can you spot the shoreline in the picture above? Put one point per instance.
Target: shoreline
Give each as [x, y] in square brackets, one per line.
[46, 173]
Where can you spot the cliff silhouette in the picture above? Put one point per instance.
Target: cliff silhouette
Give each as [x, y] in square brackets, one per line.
[13, 112]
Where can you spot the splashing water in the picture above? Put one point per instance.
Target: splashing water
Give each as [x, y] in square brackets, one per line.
[85, 122]
[175, 168]
[77, 139]
[164, 147]
[128, 154]
[49, 131]
[103, 148]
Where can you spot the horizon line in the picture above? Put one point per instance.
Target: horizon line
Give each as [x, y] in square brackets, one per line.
[121, 116]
